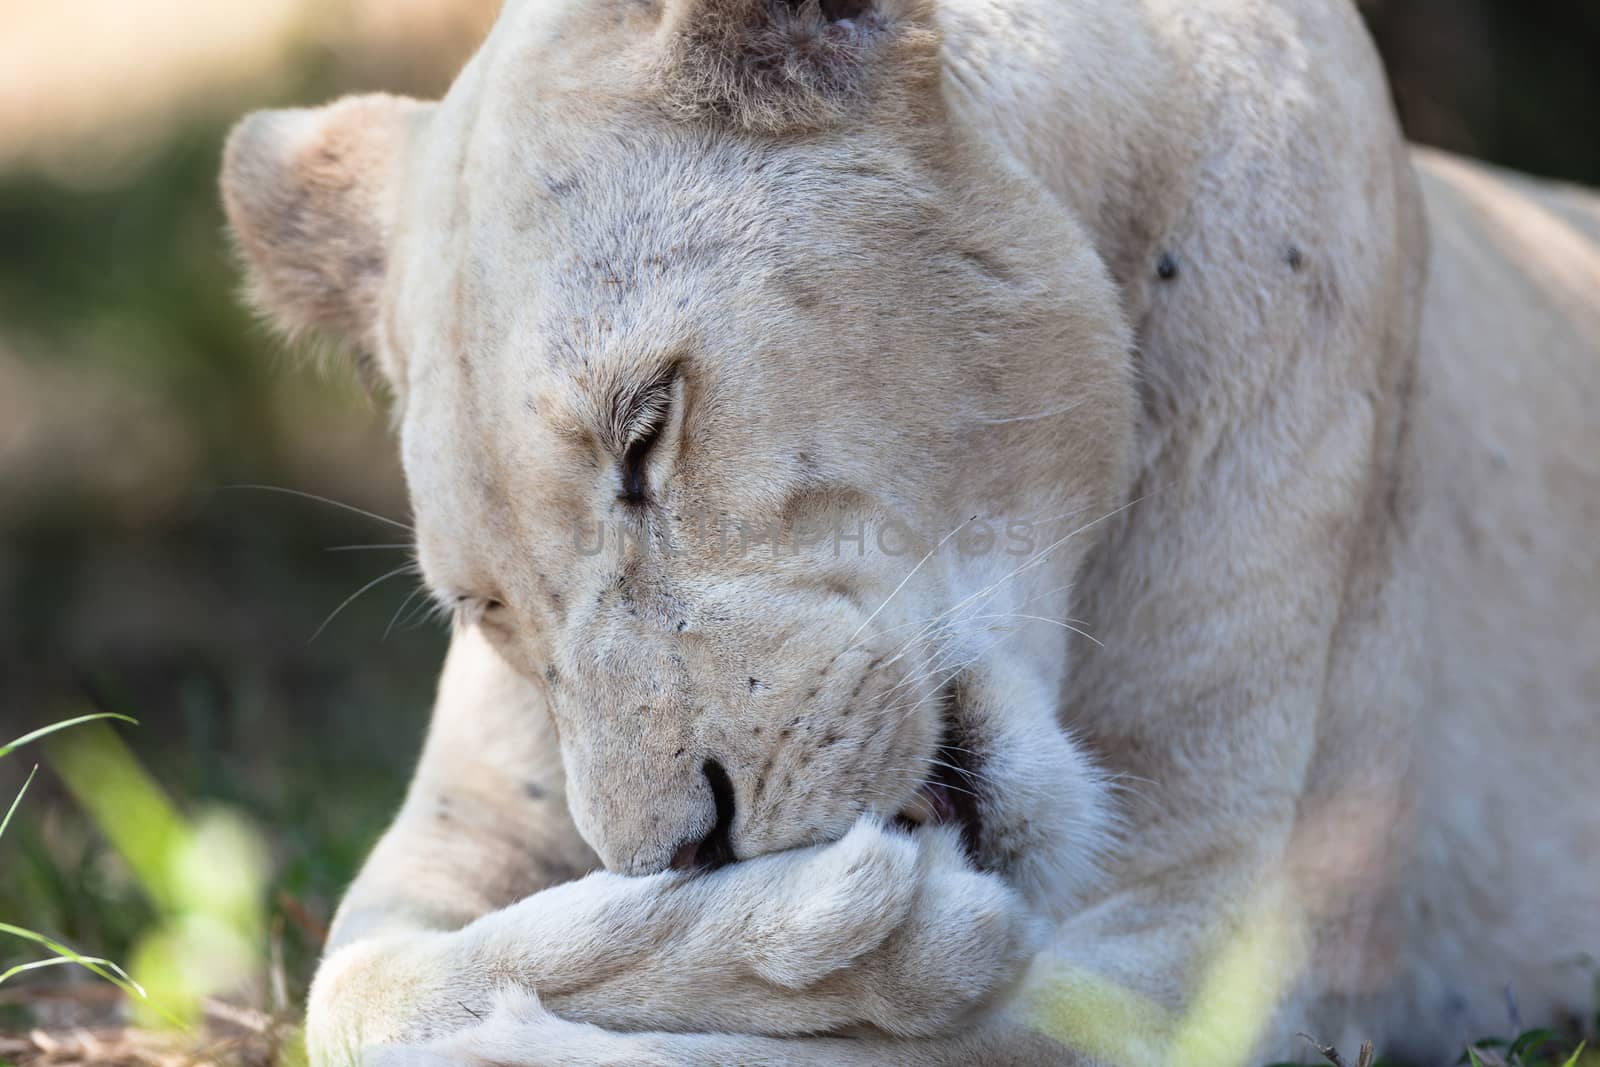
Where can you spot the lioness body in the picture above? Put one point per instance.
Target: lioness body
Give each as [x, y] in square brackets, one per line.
[1330, 737]
[1507, 481]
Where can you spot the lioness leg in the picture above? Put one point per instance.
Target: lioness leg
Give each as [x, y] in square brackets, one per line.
[485, 820]
[523, 1033]
[883, 928]
[483, 825]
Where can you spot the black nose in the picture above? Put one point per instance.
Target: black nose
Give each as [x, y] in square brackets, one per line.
[715, 849]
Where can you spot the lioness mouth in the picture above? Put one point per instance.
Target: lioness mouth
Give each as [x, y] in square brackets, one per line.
[716, 848]
[950, 796]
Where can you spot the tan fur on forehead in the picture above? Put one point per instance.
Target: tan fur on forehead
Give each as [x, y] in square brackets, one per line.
[772, 66]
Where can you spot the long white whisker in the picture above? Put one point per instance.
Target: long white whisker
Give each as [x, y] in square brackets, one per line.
[1065, 625]
[930, 621]
[925, 636]
[959, 789]
[936, 661]
[369, 548]
[395, 618]
[935, 665]
[1036, 559]
[428, 609]
[931, 553]
[966, 773]
[351, 599]
[951, 625]
[884, 633]
[949, 674]
[932, 663]
[319, 499]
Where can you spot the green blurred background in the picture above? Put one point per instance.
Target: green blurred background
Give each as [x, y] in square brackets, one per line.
[134, 391]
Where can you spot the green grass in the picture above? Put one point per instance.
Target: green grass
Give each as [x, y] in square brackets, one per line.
[55, 728]
[60, 954]
[1532, 1048]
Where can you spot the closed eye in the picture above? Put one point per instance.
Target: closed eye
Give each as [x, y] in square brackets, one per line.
[636, 463]
[647, 413]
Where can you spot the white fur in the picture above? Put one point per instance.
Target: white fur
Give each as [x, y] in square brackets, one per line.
[1152, 272]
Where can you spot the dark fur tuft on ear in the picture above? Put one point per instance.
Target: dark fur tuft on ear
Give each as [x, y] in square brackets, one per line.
[311, 197]
[771, 66]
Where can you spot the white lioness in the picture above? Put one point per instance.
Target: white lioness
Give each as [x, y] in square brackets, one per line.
[1180, 621]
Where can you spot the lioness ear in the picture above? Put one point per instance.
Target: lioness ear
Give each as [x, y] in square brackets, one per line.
[776, 65]
[312, 196]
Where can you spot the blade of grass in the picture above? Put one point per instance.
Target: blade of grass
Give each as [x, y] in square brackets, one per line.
[26, 739]
[109, 971]
[1576, 1056]
[104, 968]
[58, 961]
[13, 809]
[1528, 1042]
[113, 974]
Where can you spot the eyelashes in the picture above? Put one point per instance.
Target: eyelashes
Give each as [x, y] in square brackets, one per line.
[647, 414]
[635, 465]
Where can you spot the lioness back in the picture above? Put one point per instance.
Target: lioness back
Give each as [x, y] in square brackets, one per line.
[1507, 501]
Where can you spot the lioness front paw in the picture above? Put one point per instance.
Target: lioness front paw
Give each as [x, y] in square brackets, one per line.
[834, 907]
[967, 936]
[883, 929]
[901, 922]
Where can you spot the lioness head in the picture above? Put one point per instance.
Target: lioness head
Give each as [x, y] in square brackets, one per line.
[748, 402]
